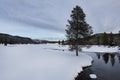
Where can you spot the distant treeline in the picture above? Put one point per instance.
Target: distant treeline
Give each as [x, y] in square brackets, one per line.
[96, 39]
[99, 39]
[9, 39]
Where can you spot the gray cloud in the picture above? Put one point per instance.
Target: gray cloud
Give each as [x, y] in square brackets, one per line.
[104, 15]
[28, 13]
[52, 15]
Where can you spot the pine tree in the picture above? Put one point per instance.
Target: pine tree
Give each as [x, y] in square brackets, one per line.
[98, 40]
[119, 33]
[105, 39]
[77, 27]
[119, 39]
[111, 39]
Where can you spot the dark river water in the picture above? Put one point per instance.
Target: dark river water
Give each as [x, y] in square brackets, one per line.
[106, 66]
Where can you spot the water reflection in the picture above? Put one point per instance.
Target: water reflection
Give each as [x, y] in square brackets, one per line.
[108, 57]
[112, 59]
[118, 58]
[98, 55]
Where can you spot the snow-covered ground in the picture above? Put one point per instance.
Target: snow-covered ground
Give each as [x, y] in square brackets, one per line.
[100, 49]
[39, 62]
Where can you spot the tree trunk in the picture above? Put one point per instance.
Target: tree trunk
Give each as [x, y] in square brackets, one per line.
[76, 50]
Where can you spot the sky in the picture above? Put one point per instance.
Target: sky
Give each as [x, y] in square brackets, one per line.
[47, 19]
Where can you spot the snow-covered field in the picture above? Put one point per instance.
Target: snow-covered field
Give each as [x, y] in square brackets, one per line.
[39, 62]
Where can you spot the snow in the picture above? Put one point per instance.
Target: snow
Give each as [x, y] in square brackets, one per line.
[93, 76]
[100, 49]
[39, 62]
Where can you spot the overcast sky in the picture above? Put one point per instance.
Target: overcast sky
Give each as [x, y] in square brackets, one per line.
[47, 19]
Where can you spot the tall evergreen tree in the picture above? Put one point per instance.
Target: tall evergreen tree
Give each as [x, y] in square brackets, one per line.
[111, 42]
[77, 27]
[119, 39]
[105, 39]
[98, 40]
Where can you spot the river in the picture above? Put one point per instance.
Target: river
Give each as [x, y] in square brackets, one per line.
[106, 66]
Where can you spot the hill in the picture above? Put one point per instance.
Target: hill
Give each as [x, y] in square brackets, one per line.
[9, 39]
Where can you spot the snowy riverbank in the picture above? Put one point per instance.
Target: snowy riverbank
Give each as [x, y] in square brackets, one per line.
[36, 62]
[100, 49]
